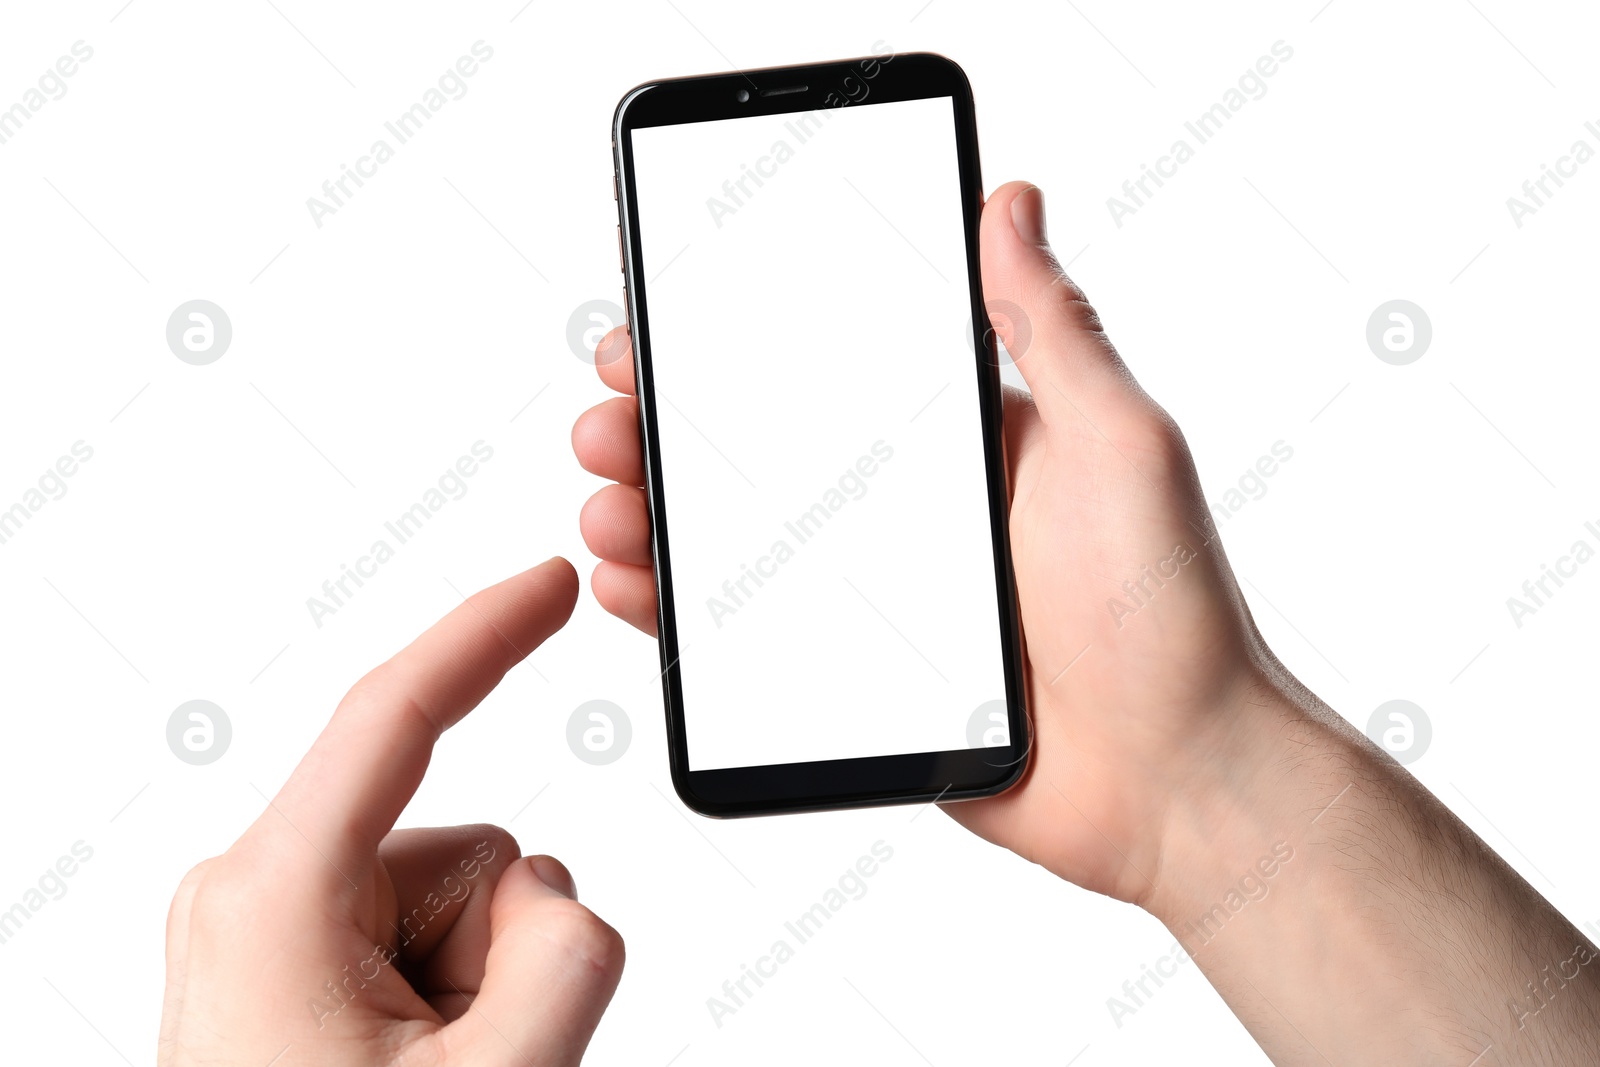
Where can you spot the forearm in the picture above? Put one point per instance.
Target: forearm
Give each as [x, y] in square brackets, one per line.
[1348, 917]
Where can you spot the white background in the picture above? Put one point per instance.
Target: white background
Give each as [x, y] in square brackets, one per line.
[774, 376]
[416, 321]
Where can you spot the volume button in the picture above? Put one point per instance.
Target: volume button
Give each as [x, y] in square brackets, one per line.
[620, 266]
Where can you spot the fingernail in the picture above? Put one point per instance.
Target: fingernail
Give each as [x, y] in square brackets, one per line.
[1027, 215]
[553, 874]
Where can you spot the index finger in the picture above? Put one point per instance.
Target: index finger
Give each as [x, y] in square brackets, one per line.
[349, 789]
[613, 358]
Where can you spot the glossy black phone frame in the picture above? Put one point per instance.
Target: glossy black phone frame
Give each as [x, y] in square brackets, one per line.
[826, 784]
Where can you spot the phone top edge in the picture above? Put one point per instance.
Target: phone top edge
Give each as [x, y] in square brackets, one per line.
[923, 59]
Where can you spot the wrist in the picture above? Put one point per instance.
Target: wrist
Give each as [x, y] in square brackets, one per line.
[1259, 794]
[1302, 869]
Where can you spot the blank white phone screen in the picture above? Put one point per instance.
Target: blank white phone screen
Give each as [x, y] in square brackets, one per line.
[822, 460]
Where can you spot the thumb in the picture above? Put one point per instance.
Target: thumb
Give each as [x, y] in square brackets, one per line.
[1045, 321]
[552, 968]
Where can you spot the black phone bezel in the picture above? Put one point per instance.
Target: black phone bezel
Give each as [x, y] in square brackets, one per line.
[845, 783]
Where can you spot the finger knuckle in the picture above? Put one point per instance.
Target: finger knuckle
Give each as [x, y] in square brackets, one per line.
[588, 939]
[367, 693]
[500, 843]
[1071, 300]
[183, 896]
[221, 893]
[1157, 437]
[191, 879]
[382, 693]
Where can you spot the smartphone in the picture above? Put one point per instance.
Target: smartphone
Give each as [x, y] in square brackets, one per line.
[820, 408]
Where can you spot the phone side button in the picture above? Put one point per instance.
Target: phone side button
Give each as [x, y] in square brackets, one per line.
[620, 266]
